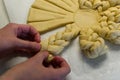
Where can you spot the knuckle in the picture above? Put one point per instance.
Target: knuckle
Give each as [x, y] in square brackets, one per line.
[32, 45]
[29, 45]
[14, 43]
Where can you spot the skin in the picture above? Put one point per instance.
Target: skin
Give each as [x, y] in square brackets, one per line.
[15, 38]
[24, 38]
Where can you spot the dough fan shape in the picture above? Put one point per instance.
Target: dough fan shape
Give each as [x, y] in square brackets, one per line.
[91, 20]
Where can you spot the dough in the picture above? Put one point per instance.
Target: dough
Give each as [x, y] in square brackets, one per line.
[56, 43]
[92, 20]
[92, 44]
[44, 20]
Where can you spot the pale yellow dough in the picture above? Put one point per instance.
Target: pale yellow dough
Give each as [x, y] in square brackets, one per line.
[92, 20]
[56, 43]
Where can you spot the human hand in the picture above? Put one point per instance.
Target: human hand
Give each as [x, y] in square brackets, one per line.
[33, 69]
[18, 37]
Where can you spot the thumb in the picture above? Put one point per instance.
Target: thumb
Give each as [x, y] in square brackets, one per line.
[41, 56]
[28, 45]
[64, 66]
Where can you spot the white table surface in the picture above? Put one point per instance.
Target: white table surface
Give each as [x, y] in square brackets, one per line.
[106, 67]
[3, 16]
[6, 63]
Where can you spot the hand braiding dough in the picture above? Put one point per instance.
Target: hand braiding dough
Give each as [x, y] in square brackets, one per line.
[91, 44]
[56, 43]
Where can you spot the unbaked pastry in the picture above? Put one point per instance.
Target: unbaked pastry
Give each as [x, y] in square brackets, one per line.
[92, 20]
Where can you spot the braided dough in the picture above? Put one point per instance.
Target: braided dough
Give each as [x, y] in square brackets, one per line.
[91, 20]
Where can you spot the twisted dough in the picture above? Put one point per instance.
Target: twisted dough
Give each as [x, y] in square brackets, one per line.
[109, 25]
[56, 43]
[91, 44]
[114, 2]
[100, 5]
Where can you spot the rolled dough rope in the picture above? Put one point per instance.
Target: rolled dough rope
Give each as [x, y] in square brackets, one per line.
[110, 26]
[56, 43]
[91, 44]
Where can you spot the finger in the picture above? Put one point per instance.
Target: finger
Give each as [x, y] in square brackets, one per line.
[30, 46]
[23, 53]
[37, 38]
[64, 67]
[26, 31]
[35, 34]
[60, 61]
[41, 56]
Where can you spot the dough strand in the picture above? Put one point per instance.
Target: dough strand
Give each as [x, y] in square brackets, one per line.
[110, 26]
[56, 43]
[91, 44]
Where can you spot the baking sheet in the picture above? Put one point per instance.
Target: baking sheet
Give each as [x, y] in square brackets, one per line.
[106, 67]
